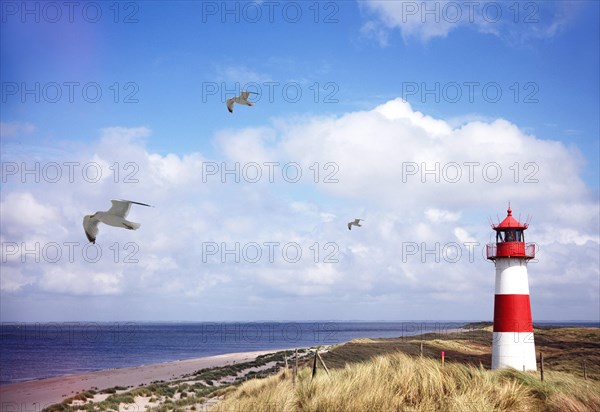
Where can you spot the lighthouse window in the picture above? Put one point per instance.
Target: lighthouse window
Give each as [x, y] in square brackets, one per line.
[510, 236]
[499, 237]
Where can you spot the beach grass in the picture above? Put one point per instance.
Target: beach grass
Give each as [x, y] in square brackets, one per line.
[400, 382]
[395, 374]
[564, 349]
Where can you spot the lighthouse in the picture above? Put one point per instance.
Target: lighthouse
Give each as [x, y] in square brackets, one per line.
[513, 345]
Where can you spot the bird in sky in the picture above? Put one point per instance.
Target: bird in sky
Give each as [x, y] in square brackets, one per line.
[241, 99]
[115, 216]
[355, 223]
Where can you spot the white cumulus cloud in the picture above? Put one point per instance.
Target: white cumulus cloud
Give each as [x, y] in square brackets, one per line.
[422, 186]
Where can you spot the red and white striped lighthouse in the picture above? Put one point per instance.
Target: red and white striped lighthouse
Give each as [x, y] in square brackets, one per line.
[513, 345]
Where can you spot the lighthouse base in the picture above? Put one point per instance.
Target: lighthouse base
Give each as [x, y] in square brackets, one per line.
[514, 350]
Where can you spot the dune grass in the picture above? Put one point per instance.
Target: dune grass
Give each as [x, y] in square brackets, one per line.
[399, 382]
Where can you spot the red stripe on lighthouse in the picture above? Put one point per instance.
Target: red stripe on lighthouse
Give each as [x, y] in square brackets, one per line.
[512, 313]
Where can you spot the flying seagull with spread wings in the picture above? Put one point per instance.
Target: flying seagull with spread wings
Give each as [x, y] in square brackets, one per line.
[115, 216]
[355, 223]
[241, 99]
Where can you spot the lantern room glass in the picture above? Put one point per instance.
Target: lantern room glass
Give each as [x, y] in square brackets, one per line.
[510, 235]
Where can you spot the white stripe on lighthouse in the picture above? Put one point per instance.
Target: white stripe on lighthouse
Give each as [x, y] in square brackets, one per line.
[513, 350]
[511, 277]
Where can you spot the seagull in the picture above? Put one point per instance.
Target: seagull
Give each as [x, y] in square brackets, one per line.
[115, 216]
[355, 223]
[241, 99]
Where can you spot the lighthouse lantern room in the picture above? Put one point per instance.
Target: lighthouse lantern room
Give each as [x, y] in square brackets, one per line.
[513, 344]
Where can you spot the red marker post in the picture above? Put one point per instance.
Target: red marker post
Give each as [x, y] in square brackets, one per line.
[442, 358]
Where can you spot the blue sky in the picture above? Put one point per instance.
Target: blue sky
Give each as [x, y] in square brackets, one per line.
[516, 88]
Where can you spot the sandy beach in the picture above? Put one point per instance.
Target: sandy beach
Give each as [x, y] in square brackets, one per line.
[36, 395]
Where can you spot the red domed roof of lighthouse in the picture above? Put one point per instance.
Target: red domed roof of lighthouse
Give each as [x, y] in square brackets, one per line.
[509, 222]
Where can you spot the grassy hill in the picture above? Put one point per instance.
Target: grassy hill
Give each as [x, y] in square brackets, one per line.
[390, 375]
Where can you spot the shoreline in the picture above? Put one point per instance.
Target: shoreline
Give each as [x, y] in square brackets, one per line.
[35, 395]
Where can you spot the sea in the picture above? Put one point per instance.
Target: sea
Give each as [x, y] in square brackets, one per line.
[30, 350]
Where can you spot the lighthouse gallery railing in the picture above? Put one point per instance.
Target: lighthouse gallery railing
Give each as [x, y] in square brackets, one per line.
[510, 249]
